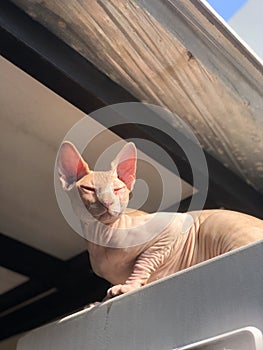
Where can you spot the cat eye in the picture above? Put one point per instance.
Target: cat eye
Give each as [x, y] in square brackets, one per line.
[118, 189]
[87, 188]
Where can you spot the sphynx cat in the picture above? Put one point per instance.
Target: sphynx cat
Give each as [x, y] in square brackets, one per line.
[131, 248]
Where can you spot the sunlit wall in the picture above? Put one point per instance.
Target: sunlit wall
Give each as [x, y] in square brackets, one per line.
[245, 17]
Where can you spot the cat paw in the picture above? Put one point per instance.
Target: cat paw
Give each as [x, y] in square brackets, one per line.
[120, 289]
[91, 305]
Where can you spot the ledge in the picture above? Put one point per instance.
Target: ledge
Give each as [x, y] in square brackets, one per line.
[215, 297]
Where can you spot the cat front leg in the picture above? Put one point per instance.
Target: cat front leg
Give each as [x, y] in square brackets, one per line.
[146, 264]
[91, 305]
[120, 289]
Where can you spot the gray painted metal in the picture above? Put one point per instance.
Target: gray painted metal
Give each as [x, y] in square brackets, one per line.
[215, 297]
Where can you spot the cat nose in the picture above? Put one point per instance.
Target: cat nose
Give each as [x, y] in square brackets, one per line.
[107, 203]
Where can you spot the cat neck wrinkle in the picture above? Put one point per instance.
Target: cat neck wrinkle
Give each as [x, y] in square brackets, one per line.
[132, 230]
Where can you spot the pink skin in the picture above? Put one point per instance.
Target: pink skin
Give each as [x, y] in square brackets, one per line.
[106, 195]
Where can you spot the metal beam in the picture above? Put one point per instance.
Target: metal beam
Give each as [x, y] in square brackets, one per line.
[28, 261]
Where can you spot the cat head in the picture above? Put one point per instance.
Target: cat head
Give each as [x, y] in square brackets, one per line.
[105, 194]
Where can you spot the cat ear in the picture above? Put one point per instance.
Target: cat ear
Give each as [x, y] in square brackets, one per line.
[125, 165]
[71, 166]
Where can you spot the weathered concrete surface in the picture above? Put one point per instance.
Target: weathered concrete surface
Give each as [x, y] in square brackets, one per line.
[215, 297]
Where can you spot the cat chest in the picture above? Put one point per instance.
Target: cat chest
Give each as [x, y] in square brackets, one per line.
[112, 264]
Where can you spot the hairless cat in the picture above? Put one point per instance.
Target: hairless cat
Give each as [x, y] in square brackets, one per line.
[131, 248]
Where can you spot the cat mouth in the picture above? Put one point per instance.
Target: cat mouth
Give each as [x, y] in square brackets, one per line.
[103, 213]
[96, 212]
[100, 213]
[111, 212]
[107, 216]
[114, 214]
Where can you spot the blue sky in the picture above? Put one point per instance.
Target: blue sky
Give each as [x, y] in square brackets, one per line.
[227, 8]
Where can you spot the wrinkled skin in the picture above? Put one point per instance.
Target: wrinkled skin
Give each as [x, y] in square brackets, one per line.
[125, 259]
